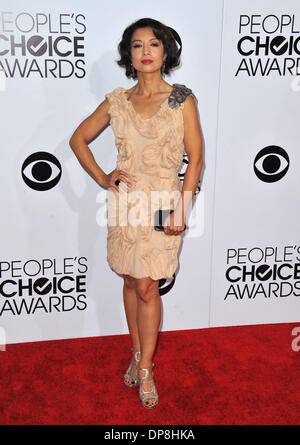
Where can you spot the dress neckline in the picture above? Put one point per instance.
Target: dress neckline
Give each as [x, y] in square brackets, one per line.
[156, 112]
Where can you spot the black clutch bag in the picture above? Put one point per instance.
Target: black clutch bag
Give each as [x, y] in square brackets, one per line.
[159, 218]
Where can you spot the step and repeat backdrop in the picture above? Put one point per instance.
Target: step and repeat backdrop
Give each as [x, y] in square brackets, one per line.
[240, 258]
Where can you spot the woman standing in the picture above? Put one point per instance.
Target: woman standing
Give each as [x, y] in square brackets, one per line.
[153, 123]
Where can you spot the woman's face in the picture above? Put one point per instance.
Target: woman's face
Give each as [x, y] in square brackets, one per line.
[145, 46]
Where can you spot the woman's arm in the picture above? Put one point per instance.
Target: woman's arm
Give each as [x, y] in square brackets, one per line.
[83, 135]
[193, 144]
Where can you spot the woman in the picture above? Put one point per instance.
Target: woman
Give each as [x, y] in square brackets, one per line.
[153, 123]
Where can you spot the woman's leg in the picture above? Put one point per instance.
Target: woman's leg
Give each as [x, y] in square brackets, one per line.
[130, 305]
[142, 304]
[148, 317]
[148, 321]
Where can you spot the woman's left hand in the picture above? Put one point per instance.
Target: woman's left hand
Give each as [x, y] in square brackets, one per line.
[174, 223]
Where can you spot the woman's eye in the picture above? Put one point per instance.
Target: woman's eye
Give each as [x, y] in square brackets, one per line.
[137, 46]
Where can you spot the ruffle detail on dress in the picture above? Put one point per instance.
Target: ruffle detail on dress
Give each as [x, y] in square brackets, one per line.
[126, 155]
[117, 118]
[114, 237]
[166, 151]
[154, 262]
[172, 148]
[121, 245]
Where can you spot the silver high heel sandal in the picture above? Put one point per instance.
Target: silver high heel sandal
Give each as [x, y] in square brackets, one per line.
[131, 376]
[146, 395]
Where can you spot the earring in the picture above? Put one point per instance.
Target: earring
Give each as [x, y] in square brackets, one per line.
[163, 67]
[132, 69]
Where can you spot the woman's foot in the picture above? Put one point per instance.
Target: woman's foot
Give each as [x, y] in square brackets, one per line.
[147, 390]
[131, 376]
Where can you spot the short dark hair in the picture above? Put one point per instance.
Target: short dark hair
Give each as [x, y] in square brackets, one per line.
[167, 35]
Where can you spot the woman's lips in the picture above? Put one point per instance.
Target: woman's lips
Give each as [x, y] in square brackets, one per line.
[146, 61]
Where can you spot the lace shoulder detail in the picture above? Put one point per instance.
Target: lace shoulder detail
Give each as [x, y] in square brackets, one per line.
[179, 94]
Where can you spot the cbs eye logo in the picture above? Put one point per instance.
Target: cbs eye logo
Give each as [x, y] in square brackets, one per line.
[41, 171]
[166, 284]
[271, 163]
[182, 170]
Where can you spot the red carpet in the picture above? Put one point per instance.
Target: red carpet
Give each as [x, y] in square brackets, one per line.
[246, 375]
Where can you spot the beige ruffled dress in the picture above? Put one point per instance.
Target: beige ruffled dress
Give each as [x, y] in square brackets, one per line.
[151, 151]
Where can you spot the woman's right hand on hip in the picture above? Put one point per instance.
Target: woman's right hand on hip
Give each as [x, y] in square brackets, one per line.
[116, 175]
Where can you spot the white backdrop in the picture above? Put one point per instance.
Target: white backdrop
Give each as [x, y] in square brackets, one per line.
[57, 62]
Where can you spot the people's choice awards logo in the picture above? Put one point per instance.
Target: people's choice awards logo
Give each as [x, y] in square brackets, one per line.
[269, 272]
[50, 45]
[271, 163]
[268, 45]
[48, 285]
[41, 171]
